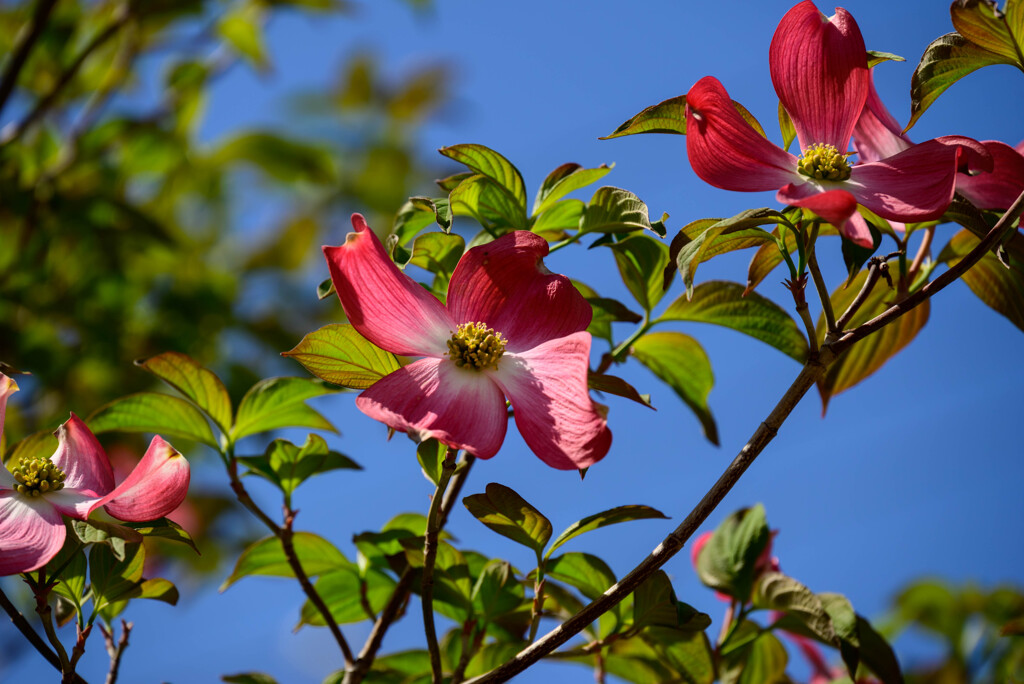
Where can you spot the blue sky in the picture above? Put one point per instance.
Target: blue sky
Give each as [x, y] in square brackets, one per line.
[914, 472]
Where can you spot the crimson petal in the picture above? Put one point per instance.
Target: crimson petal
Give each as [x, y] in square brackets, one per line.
[724, 150]
[554, 412]
[877, 135]
[386, 306]
[998, 189]
[820, 72]
[154, 488]
[505, 285]
[82, 459]
[434, 398]
[31, 533]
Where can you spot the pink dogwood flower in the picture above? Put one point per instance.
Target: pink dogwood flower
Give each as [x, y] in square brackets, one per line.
[819, 69]
[74, 482]
[510, 328]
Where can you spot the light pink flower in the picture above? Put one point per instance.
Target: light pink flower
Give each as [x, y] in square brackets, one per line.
[819, 69]
[78, 479]
[510, 328]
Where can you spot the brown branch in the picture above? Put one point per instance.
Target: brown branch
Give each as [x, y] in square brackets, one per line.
[25, 42]
[33, 637]
[877, 267]
[922, 251]
[400, 595]
[764, 434]
[47, 101]
[430, 539]
[116, 651]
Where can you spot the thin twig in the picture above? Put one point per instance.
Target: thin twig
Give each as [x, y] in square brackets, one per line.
[429, 558]
[79, 649]
[25, 42]
[285, 534]
[797, 288]
[400, 594]
[923, 250]
[760, 439]
[47, 101]
[470, 646]
[877, 267]
[116, 651]
[33, 637]
[823, 293]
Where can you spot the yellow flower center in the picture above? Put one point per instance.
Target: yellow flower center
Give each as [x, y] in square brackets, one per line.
[476, 346]
[824, 162]
[36, 476]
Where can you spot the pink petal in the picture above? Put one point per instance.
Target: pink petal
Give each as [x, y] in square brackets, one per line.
[914, 185]
[7, 388]
[82, 459]
[434, 398]
[698, 545]
[725, 151]
[998, 189]
[154, 488]
[877, 135]
[820, 72]
[74, 503]
[548, 389]
[505, 285]
[838, 207]
[31, 533]
[386, 306]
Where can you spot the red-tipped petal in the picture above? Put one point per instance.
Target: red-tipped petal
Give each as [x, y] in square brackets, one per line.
[7, 388]
[156, 486]
[31, 533]
[820, 72]
[723, 148]
[82, 459]
[999, 188]
[434, 398]
[877, 135]
[506, 285]
[386, 306]
[914, 185]
[838, 207]
[547, 386]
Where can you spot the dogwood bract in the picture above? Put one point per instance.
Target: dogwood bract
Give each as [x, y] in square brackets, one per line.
[510, 328]
[74, 482]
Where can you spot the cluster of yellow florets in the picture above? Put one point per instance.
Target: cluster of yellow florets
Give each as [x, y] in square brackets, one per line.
[475, 346]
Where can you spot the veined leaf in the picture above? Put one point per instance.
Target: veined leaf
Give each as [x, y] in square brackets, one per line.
[586, 572]
[669, 116]
[563, 180]
[981, 23]
[641, 260]
[488, 202]
[723, 303]
[728, 562]
[775, 591]
[343, 590]
[709, 241]
[617, 386]
[612, 516]
[489, 163]
[198, 384]
[559, 218]
[438, 253]
[150, 412]
[278, 403]
[266, 557]
[419, 212]
[338, 354]
[1001, 288]
[681, 363]
[164, 529]
[510, 515]
[614, 210]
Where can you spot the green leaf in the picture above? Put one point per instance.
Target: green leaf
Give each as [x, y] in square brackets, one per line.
[680, 362]
[267, 557]
[40, 444]
[641, 261]
[430, 453]
[285, 160]
[343, 591]
[761, 660]
[563, 180]
[249, 678]
[869, 354]
[945, 61]
[504, 511]
[293, 465]
[728, 562]
[722, 303]
[563, 216]
[668, 116]
[586, 572]
[688, 652]
[419, 212]
[876, 57]
[704, 241]
[72, 577]
[981, 23]
[201, 386]
[614, 210]
[164, 529]
[655, 603]
[325, 289]
[112, 534]
[278, 403]
[438, 253]
[605, 311]
[338, 354]
[157, 589]
[877, 654]
[489, 163]
[150, 412]
[610, 384]
[496, 591]
[612, 516]
[490, 204]
[844, 621]
[113, 579]
[1001, 288]
[242, 29]
[786, 127]
[775, 591]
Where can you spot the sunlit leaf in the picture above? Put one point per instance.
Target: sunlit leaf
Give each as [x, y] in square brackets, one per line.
[981, 23]
[149, 412]
[584, 571]
[703, 241]
[496, 591]
[504, 511]
[242, 28]
[164, 529]
[641, 260]
[563, 180]
[612, 516]
[1001, 288]
[728, 562]
[722, 303]
[278, 403]
[668, 116]
[198, 384]
[343, 591]
[338, 354]
[559, 218]
[681, 362]
[267, 557]
[614, 210]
